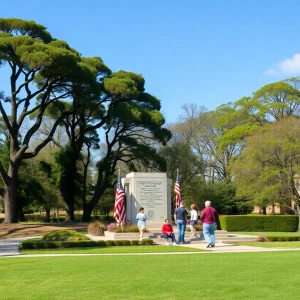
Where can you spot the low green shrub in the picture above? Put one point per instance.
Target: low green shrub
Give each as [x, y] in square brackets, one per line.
[110, 243]
[283, 238]
[263, 223]
[75, 244]
[101, 243]
[134, 242]
[40, 244]
[35, 218]
[49, 245]
[147, 242]
[64, 235]
[122, 243]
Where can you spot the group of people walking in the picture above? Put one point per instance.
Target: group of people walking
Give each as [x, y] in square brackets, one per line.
[208, 218]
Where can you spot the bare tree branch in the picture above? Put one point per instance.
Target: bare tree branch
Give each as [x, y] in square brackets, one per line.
[45, 141]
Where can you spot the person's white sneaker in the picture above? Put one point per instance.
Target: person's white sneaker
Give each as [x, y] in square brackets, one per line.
[174, 244]
[167, 244]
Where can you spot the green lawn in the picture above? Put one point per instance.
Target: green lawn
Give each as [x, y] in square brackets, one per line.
[266, 233]
[272, 275]
[112, 249]
[270, 244]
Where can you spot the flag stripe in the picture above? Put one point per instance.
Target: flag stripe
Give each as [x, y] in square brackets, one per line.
[119, 209]
[177, 191]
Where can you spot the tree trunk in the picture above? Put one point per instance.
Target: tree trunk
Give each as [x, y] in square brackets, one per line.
[47, 217]
[21, 215]
[88, 207]
[264, 209]
[70, 217]
[86, 217]
[10, 201]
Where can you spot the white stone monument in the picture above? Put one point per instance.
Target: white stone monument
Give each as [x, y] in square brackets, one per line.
[151, 191]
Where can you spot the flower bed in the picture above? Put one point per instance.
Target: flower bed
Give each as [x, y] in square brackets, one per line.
[113, 227]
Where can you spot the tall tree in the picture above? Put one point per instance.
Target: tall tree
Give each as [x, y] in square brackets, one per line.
[131, 129]
[40, 70]
[265, 171]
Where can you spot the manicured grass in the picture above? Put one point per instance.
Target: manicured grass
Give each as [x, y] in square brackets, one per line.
[266, 233]
[219, 276]
[270, 244]
[112, 249]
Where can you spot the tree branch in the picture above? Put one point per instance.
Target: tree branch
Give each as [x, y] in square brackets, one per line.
[5, 118]
[4, 175]
[27, 81]
[46, 141]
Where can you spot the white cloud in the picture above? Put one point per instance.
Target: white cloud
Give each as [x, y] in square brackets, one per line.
[290, 66]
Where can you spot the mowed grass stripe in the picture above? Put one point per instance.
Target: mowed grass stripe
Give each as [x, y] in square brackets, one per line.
[223, 276]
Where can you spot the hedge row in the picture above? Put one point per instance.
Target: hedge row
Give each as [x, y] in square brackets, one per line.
[259, 223]
[282, 238]
[31, 244]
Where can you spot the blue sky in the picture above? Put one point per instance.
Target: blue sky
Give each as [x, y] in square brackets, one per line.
[188, 51]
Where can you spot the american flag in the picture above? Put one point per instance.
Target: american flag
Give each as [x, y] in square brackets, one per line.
[177, 191]
[119, 209]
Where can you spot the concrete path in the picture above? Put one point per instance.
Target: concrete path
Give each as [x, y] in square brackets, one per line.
[223, 248]
[10, 248]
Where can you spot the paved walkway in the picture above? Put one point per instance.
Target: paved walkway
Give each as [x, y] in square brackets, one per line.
[10, 248]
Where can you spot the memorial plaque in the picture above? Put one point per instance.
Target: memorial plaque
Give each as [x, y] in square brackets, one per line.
[150, 194]
[151, 191]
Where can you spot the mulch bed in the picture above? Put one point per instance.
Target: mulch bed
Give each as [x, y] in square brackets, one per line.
[22, 230]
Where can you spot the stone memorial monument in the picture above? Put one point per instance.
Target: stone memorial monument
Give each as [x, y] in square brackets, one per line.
[151, 191]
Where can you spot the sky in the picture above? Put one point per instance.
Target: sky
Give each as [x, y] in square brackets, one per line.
[203, 52]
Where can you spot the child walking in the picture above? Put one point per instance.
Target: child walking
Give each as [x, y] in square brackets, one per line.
[141, 217]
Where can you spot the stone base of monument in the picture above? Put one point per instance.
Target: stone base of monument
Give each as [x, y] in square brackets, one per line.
[155, 235]
[129, 235]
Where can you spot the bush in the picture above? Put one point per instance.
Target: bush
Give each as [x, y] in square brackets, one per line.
[259, 223]
[39, 244]
[75, 244]
[147, 242]
[35, 218]
[122, 243]
[110, 243]
[134, 242]
[96, 228]
[101, 243]
[64, 235]
[282, 238]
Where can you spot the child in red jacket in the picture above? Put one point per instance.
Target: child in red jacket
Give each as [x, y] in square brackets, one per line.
[167, 232]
